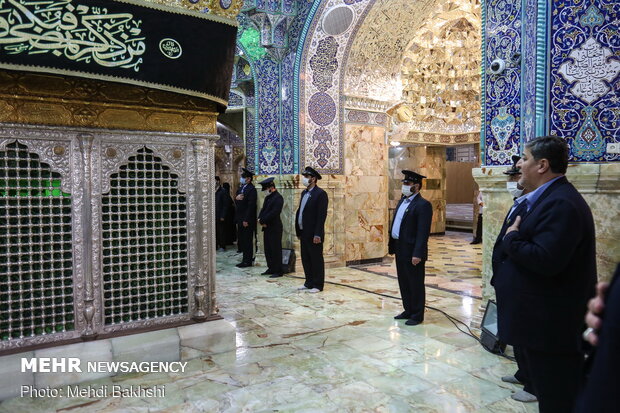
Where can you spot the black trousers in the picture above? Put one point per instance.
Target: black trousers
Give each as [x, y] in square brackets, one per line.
[523, 370]
[313, 263]
[556, 378]
[220, 233]
[272, 240]
[244, 243]
[411, 283]
[478, 236]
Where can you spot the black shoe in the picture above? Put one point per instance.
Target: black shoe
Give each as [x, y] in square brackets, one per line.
[402, 316]
[412, 322]
[275, 275]
[475, 242]
[266, 273]
[243, 265]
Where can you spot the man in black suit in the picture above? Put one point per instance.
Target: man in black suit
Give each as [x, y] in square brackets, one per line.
[409, 241]
[310, 229]
[221, 209]
[245, 201]
[546, 274]
[269, 220]
[230, 226]
[517, 193]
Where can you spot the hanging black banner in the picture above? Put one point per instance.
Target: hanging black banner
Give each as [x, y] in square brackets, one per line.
[128, 41]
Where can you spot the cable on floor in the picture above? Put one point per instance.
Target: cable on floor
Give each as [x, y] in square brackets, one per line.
[452, 319]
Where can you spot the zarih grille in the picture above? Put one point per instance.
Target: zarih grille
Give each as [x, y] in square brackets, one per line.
[36, 277]
[144, 235]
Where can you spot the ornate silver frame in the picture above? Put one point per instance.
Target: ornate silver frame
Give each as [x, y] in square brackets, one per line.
[86, 158]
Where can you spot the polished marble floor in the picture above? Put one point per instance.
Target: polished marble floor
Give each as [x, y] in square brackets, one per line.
[335, 351]
[463, 212]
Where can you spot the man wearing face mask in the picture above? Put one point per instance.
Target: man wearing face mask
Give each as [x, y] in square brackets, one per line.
[310, 229]
[547, 274]
[409, 234]
[269, 220]
[245, 201]
[516, 193]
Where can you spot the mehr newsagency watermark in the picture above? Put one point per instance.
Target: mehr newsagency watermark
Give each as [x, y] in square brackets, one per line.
[75, 365]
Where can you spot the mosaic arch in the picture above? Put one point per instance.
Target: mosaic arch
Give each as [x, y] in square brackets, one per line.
[269, 33]
[363, 59]
[245, 72]
[440, 78]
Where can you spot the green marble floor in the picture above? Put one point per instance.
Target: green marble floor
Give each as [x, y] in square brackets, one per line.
[335, 351]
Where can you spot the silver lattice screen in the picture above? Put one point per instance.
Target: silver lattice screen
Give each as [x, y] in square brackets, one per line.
[36, 290]
[144, 242]
[102, 233]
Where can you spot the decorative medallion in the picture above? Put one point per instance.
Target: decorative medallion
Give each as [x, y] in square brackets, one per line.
[501, 126]
[590, 67]
[380, 118]
[322, 109]
[287, 157]
[592, 17]
[321, 152]
[324, 63]
[170, 48]
[589, 143]
[358, 116]
[269, 153]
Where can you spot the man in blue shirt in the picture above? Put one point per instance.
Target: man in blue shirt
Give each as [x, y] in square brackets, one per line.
[409, 241]
[546, 275]
[310, 229]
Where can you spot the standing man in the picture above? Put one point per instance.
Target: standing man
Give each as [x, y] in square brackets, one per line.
[478, 236]
[221, 209]
[547, 275]
[310, 229]
[409, 241]
[245, 201]
[522, 375]
[269, 219]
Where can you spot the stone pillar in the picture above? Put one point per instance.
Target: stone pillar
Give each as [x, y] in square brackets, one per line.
[366, 201]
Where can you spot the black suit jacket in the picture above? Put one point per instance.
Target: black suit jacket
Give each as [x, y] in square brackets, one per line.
[548, 273]
[222, 203]
[415, 228]
[315, 214]
[270, 212]
[246, 208]
[499, 255]
[601, 392]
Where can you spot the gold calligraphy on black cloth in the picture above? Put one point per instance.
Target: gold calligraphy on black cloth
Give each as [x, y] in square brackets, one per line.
[129, 41]
[79, 33]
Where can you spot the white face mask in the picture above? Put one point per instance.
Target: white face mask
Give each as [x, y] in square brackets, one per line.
[406, 190]
[305, 181]
[512, 189]
[242, 181]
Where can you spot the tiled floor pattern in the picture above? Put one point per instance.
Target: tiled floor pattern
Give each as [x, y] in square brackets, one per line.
[336, 351]
[453, 265]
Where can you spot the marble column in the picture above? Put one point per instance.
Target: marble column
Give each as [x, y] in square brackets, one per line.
[365, 217]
